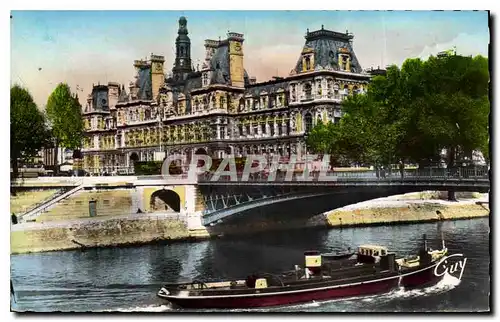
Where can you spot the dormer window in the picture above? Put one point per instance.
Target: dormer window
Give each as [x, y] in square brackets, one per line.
[345, 62]
[307, 59]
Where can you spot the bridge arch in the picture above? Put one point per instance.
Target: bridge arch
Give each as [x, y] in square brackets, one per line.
[165, 199]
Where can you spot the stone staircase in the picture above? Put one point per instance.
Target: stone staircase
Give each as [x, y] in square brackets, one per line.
[37, 211]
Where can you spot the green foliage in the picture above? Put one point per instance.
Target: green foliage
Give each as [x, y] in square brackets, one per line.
[144, 168]
[412, 113]
[65, 115]
[28, 130]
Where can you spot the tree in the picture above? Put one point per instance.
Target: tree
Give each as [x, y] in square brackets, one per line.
[413, 113]
[65, 115]
[28, 129]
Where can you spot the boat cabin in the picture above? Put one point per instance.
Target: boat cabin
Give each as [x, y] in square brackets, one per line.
[371, 253]
[372, 250]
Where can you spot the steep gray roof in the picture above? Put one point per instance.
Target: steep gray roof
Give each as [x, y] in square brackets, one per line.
[326, 45]
[122, 97]
[270, 88]
[144, 83]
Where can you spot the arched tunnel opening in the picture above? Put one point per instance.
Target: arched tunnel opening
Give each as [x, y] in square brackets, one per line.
[163, 200]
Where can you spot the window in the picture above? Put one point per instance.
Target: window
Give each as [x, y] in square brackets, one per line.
[308, 91]
[336, 90]
[344, 62]
[242, 104]
[309, 122]
[272, 101]
[308, 63]
[263, 126]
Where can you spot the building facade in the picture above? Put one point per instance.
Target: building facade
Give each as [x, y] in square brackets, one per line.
[216, 108]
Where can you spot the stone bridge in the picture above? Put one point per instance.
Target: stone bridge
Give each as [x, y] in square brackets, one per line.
[226, 203]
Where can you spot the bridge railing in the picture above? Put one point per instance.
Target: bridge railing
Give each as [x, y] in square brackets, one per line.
[371, 175]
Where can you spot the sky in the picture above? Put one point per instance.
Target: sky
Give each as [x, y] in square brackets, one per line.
[83, 48]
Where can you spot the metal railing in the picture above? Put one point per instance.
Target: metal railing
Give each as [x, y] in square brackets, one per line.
[370, 175]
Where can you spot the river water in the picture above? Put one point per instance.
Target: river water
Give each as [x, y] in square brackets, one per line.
[127, 279]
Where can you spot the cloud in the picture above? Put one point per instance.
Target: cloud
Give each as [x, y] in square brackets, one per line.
[466, 44]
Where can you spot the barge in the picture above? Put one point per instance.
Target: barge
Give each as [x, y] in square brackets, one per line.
[371, 270]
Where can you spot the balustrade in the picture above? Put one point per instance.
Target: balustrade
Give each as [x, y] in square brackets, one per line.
[456, 174]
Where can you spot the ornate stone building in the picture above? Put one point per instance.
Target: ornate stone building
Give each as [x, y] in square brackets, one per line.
[217, 109]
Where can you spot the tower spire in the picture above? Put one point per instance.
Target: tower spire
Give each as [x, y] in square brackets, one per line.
[182, 63]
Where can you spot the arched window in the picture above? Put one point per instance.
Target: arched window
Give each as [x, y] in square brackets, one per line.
[346, 90]
[182, 51]
[308, 122]
[242, 104]
[147, 114]
[308, 91]
[131, 116]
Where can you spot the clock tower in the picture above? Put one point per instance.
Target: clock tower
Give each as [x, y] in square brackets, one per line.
[236, 69]
[182, 63]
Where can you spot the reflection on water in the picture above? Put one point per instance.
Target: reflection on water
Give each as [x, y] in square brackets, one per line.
[127, 279]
